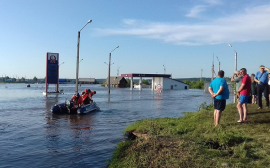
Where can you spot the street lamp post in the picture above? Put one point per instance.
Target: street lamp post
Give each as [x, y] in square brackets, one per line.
[57, 85]
[118, 70]
[61, 63]
[218, 64]
[78, 47]
[109, 71]
[164, 69]
[235, 62]
[235, 69]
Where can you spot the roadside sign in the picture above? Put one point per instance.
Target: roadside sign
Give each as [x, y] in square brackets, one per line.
[52, 68]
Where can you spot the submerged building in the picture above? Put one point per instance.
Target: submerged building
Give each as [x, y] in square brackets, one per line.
[159, 81]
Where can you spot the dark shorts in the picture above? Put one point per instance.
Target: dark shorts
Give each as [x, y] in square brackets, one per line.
[219, 104]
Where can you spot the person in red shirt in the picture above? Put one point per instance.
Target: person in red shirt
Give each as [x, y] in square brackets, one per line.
[243, 93]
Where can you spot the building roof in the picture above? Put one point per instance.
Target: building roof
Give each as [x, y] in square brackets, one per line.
[87, 79]
[146, 75]
[115, 80]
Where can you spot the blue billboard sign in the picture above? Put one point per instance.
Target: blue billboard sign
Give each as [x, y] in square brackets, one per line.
[52, 73]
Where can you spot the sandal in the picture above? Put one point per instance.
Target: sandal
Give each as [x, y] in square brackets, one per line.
[239, 121]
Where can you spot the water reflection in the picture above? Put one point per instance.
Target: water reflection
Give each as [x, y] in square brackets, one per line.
[51, 101]
[66, 133]
[109, 97]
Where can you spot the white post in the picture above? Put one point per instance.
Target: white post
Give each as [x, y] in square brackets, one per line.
[140, 84]
[131, 83]
[153, 83]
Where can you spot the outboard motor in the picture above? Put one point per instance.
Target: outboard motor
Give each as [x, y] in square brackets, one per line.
[70, 107]
[60, 109]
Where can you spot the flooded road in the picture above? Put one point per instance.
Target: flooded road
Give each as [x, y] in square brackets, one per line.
[31, 136]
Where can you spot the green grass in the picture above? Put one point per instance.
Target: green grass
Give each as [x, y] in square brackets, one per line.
[194, 141]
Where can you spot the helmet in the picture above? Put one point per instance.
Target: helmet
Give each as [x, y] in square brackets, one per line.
[78, 95]
[89, 90]
[86, 90]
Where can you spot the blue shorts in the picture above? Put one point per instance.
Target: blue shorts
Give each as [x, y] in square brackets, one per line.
[243, 99]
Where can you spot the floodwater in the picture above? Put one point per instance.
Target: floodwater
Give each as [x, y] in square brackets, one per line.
[31, 136]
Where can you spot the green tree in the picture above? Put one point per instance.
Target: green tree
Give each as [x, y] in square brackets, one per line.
[145, 82]
[35, 79]
[194, 84]
[128, 82]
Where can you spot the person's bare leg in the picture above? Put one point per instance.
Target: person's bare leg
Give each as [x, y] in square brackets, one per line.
[217, 117]
[240, 111]
[245, 111]
[253, 99]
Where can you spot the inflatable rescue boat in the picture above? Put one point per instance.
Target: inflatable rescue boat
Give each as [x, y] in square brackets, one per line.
[69, 108]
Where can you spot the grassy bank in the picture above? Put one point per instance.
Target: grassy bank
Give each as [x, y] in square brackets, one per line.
[193, 141]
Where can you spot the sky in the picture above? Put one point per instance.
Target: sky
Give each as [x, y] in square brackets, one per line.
[178, 37]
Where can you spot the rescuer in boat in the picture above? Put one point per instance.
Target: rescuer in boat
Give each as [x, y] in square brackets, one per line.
[86, 99]
[77, 100]
[90, 94]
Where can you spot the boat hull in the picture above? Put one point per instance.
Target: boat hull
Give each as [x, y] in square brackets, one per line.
[88, 108]
[69, 108]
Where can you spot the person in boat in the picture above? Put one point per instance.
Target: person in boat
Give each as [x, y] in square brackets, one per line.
[93, 92]
[77, 100]
[90, 94]
[86, 99]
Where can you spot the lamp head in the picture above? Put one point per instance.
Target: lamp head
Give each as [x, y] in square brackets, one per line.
[117, 47]
[230, 45]
[89, 21]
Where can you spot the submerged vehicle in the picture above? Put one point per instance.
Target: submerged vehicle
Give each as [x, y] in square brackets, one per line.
[69, 108]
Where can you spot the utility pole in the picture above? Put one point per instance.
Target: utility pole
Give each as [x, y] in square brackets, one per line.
[235, 69]
[164, 69]
[118, 70]
[213, 71]
[109, 71]
[218, 64]
[201, 74]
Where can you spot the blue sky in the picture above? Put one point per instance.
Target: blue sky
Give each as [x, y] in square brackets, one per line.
[179, 34]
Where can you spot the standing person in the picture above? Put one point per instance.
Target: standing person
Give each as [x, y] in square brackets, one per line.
[253, 89]
[269, 82]
[237, 78]
[261, 78]
[218, 89]
[243, 93]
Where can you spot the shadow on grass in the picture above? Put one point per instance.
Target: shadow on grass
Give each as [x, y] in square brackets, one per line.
[262, 112]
